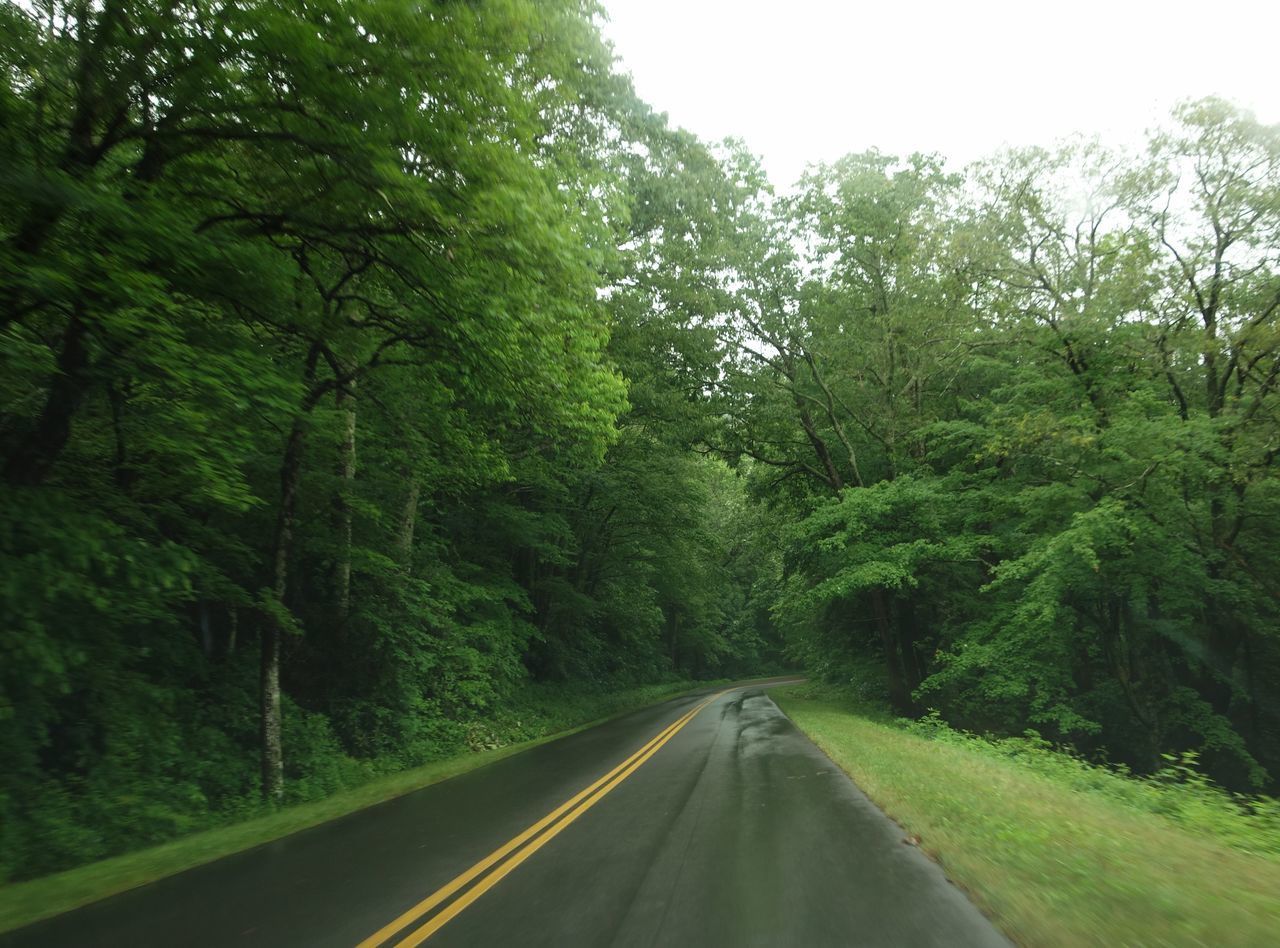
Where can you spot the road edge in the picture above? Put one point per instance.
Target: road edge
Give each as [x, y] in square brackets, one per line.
[25, 903]
[975, 896]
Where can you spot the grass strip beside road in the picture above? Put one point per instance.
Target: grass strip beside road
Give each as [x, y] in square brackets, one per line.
[22, 903]
[1051, 864]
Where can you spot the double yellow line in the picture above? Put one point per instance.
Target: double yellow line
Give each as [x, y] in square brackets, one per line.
[494, 867]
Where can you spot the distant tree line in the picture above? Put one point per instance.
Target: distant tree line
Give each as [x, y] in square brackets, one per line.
[1018, 429]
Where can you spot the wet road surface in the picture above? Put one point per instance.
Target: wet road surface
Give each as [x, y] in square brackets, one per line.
[727, 827]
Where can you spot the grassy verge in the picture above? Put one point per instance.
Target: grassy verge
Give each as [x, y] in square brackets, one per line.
[540, 718]
[1056, 851]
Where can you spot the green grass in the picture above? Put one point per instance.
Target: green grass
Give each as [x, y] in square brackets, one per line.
[22, 903]
[1056, 851]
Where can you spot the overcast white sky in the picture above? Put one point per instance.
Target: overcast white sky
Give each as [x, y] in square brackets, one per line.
[811, 80]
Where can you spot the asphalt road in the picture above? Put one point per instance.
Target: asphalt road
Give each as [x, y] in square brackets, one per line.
[727, 827]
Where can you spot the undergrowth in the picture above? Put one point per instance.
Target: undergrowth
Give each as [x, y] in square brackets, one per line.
[1058, 850]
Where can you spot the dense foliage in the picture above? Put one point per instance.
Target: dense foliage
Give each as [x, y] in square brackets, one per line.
[337, 400]
[1021, 424]
[364, 361]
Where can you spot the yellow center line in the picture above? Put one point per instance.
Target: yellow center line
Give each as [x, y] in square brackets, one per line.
[489, 881]
[607, 782]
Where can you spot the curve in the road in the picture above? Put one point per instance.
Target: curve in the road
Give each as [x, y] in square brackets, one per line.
[718, 824]
[507, 857]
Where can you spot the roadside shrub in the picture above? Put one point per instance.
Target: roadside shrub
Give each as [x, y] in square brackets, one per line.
[1180, 791]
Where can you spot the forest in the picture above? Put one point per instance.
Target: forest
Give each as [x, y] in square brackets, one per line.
[365, 362]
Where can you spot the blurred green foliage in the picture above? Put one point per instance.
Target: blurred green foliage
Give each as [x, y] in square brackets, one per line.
[341, 403]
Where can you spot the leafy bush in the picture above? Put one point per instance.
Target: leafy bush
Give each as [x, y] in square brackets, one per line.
[1180, 791]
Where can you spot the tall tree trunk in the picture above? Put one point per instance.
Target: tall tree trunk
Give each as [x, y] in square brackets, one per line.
[32, 458]
[94, 98]
[899, 696]
[908, 626]
[272, 748]
[123, 472]
[269, 679]
[346, 402]
[899, 690]
[206, 629]
[829, 469]
[408, 521]
[1213, 385]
